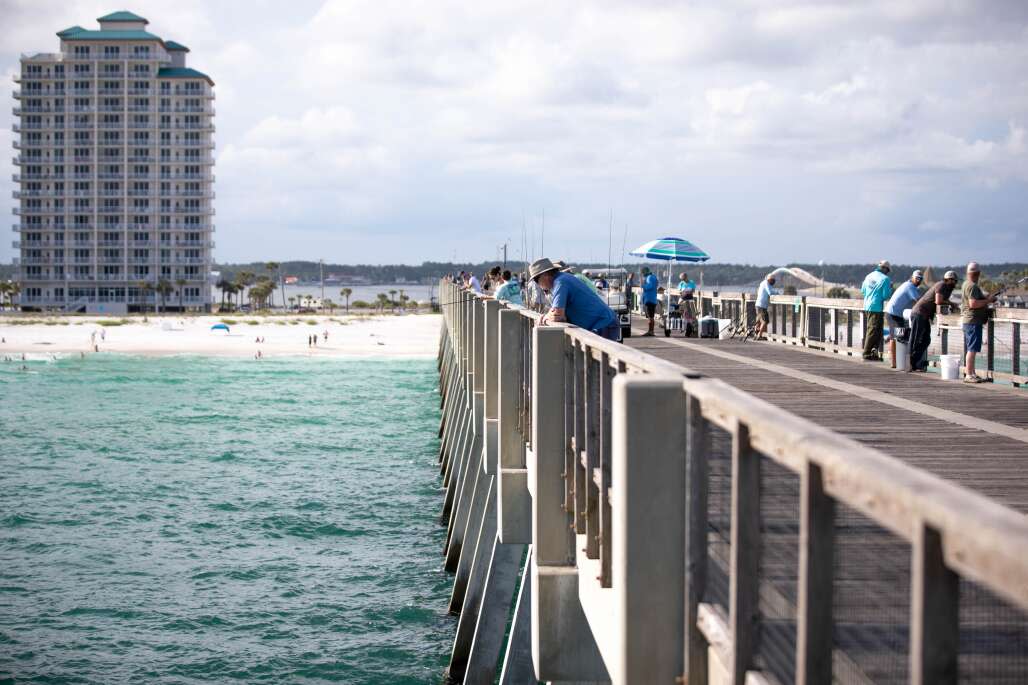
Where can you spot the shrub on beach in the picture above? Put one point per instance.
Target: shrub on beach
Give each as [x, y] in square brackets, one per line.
[360, 304]
[312, 322]
[228, 322]
[253, 322]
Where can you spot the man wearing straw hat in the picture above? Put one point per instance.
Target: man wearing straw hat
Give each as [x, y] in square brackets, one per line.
[573, 301]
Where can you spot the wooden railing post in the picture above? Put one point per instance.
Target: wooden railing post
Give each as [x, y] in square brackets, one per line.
[649, 526]
[744, 580]
[1015, 346]
[490, 385]
[814, 605]
[990, 340]
[934, 611]
[552, 538]
[697, 446]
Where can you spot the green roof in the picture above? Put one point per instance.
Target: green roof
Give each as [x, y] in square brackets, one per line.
[172, 46]
[107, 34]
[122, 16]
[73, 29]
[182, 72]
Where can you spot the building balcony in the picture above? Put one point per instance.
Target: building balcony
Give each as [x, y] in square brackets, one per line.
[36, 211]
[186, 109]
[209, 177]
[209, 211]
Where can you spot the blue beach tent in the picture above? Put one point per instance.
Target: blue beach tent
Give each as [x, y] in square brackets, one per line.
[219, 327]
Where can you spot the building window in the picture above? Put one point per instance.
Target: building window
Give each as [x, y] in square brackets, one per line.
[81, 51]
[111, 50]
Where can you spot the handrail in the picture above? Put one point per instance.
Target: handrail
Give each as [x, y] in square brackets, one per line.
[597, 455]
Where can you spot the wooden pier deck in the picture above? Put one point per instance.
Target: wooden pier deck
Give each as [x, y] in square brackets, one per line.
[976, 435]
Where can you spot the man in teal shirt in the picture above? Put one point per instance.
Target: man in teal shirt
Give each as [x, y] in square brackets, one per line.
[509, 291]
[649, 300]
[876, 290]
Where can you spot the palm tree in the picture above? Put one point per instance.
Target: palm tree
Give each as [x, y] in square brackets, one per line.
[225, 287]
[181, 283]
[346, 292]
[383, 300]
[291, 301]
[13, 290]
[392, 300]
[274, 268]
[163, 289]
[242, 281]
[5, 287]
[146, 287]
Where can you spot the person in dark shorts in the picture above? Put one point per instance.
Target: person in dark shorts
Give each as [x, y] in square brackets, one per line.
[921, 315]
[649, 298]
[764, 293]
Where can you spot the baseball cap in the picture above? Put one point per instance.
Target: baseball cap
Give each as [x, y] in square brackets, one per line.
[917, 274]
[950, 275]
[972, 268]
[884, 264]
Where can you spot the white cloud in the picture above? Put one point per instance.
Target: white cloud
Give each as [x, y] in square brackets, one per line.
[349, 118]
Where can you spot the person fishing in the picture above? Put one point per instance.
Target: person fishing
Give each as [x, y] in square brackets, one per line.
[649, 298]
[509, 291]
[921, 315]
[876, 290]
[573, 302]
[974, 314]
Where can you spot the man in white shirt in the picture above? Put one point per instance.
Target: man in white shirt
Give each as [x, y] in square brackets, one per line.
[764, 293]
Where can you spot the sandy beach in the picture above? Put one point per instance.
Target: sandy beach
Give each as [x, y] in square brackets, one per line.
[371, 336]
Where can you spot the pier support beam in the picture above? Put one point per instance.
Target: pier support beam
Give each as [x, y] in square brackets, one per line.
[517, 660]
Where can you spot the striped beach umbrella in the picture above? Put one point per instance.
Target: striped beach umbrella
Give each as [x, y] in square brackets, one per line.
[672, 250]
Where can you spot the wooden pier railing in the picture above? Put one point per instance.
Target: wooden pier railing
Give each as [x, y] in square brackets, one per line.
[836, 325]
[657, 526]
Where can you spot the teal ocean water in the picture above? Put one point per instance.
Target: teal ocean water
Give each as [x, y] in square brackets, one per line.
[197, 520]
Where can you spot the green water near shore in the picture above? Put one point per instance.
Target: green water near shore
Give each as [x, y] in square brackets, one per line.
[191, 519]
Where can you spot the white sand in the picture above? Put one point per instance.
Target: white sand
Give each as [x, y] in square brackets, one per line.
[378, 336]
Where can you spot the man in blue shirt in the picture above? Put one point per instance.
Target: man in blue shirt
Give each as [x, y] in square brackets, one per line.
[876, 290]
[904, 298]
[649, 299]
[573, 301]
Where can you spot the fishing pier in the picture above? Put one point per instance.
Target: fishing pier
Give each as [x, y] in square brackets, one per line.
[675, 510]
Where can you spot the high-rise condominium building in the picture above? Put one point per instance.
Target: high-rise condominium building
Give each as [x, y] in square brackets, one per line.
[115, 172]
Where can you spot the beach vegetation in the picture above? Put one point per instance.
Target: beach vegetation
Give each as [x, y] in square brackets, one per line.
[108, 323]
[346, 292]
[253, 322]
[229, 322]
[361, 304]
[312, 322]
[838, 292]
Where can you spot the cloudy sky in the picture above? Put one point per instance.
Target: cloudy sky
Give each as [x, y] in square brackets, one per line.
[386, 131]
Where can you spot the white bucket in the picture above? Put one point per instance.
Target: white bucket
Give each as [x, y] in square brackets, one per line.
[949, 366]
[902, 356]
[724, 329]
